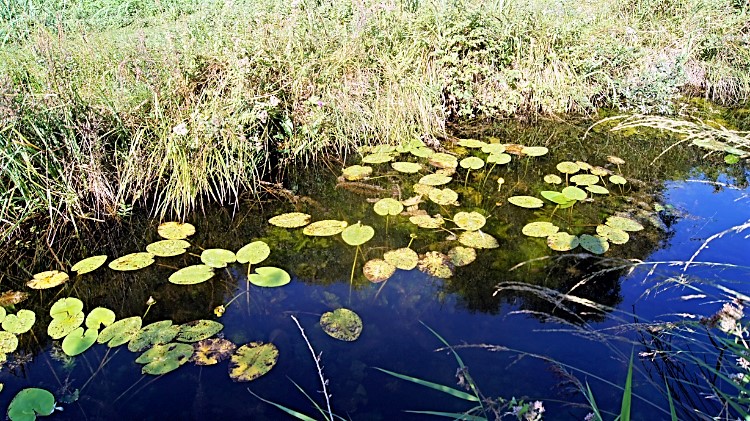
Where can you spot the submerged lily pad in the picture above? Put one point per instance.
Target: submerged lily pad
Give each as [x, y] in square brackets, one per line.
[212, 351]
[30, 403]
[562, 241]
[498, 159]
[65, 307]
[469, 221]
[120, 332]
[192, 275]
[342, 324]
[78, 341]
[253, 253]
[472, 163]
[325, 228]
[218, 258]
[443, 160]
[462, 256]
[574, 193]
[427, 221]
[435, 179]
[568, 167]
[198, 330]
[48, 279]
[436, 264]
[478, 240]
[594, 243]
[357, 172]
[157, 333]
[89, 264]
[613, 235]
[534, 150]
[528, 202]
[407, 167]
[59, 327]
[132, 261]
[377, 158]
[252, 361]
[162, 359]
[269, 276]
[290, 220]
[168, 248]
[175, 230]
[597, 189]
[403, 258]
[358, 234]
[99, 317]
[443, 196]
[552, 179]
[8, 342]
[387, 206]
[540, 229]
[19, 323]
[584, 179]
[377, 270]
[625, 224]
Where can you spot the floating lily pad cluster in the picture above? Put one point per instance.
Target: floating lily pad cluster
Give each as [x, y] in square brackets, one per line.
[12, 326]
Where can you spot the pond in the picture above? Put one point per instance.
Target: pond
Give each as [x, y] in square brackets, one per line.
[529, 322]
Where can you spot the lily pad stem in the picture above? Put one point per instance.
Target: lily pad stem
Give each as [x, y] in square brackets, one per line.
[488, 174]
[351, 278]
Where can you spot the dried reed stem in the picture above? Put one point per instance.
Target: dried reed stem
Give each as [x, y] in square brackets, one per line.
[316, 358]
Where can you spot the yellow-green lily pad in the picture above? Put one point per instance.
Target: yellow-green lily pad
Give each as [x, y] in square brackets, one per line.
[599, 171]
[534, 150]
[157, 333]
[498, 159]
[613, 235]
[552, 179]
[493, 148]
[78, 341]
[132, 261]
[325, 228]
[65, 307]
[357, 172]
[568, 167]
[48, 279]
[478, 240]
[584, 165]
[469, 221]
[218, 258]
[540, 229]
[388, 206]
[175, 230]
[462, 256]
[422, 152]
[192, 275]
[161, 359]
[252, 360]
[597, 189]
[358, 234]
[406, 167]
[403, 258]
[99, 317]
[377, 158]
[594, 243]
[168, 248]
[378, 270]
[529, 202]
[120, 332]
[472, 163]
[253, 253]
[198, 330]
[427, 221]
[19, 323]
[625, 224]
[8, 342]
[435, 179]
[342, 324]
[60, 326]
[290, 220]
[89, 264]
[471, 143]
[269, 277]
[436, 264]
[444, 196]
[584, 179]
[443, 160]
[212, 351]
[617, 179]
[574, 193]
[562, 241]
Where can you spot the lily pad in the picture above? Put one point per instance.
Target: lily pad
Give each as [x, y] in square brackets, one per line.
[436, 264]
[584, 179]
[60, 327]
[377, 270]
[120, 332]
[19, 323]
[568, 167]
[253, 253]
[157, 333]
[584, 165]
[422, 152]
[574, 193]
[462, 256]
[540, 229]
[78, 341]
[192, 275]
[617, 179]
[615, 160]
[9, 298]
[132, 261]
[493, 148]
[403, 258]
[357, 172]
[358, 234]
[556, 197]
[252, 361]
[594, 243]
[342, 324]
[422, 189]
[498, 159]
[218, 258]
[8, 342]
[599, 171]
[534, 150]
[625, 224]
[89, 264]
[478, 240]
[175, 230]
[472, 163]
[212, 351]
[471, 143]
[162, 359]
[48, 279]
[469, 221]
[388, 206]
[325, 228]
[290, 220]
[198, 330]
[528, 202]
[270, 277]
[99, 317]
[435, 180]
[552, 179]
[65, 307]
[30, 403]
[377, 158]
[597, 189]
[613, 235]
[406, 167]
[562, 241]
[168, 248]
[443, 160]
[444, 196]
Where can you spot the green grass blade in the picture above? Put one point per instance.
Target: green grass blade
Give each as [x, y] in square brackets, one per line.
[436, 386]
[454, 415]
[672, 412]
[292, 412]
[315, 404]
[592, 402]
[455, 354]
[627, 395]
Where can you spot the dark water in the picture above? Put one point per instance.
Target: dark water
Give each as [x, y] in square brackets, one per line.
[464, 309]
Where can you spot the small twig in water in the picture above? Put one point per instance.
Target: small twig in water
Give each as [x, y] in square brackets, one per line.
[316, 358]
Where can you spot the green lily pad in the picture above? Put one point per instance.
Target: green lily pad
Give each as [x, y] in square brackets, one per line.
[89, 264]
[597, 189]
[435, 180]
[377, 270]
[175, 230]
[99, 317]
[30, 403]
[157, 333]
[427, 221]
[594, 243]
[325, 228]
[528, 202]
[498, 159]
[162, 359]
[478, 240]
[422, 152]
[568, 167]
[192, 275]
[462, 256]
[218, 258]
[625, 224]
[342, 324]
[613, 235]
[403, 258]
[253, 253]
[617, 179]
[471, 143]
[252, 361]
[436, 264]
[3, 313]
[388, 206]
[540, 229]
[383, 149]
[493, 148]
[120, 332]
[61, 326]
[198, 330]
[48, 279]
[212, 351]
[8, 342]
[469, 221]
[168, 248]
[65, 307]
[133, 261]
[377, 158]
[556, 197]
[78, 341]
[290, 220]
[406, 167]
[574, 193]
[552, 179]
[357, 172]
[269, 277]
[444, 196]
[731, 159]
[443, 160]
[584, 179]
[19, 323]
[358, 234]
[562, 241]
[534, 150]
[472, 163]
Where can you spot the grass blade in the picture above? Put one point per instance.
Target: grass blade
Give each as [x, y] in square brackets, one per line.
[672, 412]
[292, 412]
[431, 385]
[627, 395]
